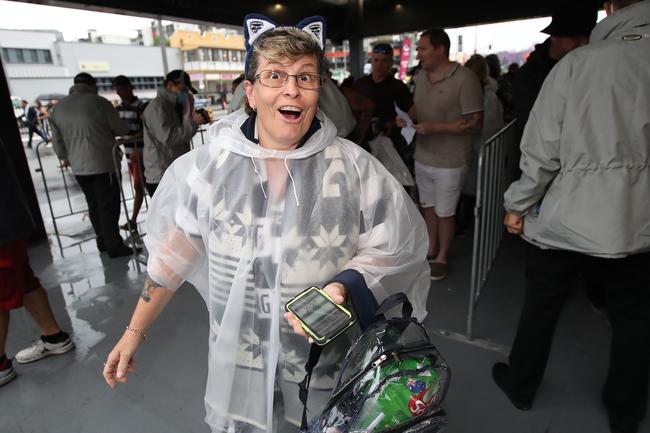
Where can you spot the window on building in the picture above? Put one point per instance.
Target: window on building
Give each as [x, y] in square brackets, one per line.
[192, 56]
[29, 56]
[44, 56]
[105, 84]
[26, 55]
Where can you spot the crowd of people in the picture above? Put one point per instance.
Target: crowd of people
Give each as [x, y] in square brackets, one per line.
[284, 197]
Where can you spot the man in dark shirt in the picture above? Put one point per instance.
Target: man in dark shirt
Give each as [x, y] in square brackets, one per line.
[32, 123]
[130, 110]
[385, 91]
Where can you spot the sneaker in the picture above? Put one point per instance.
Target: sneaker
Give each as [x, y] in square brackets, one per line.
[499, 373]
[7, 372]
[438, 271]
[40, 349]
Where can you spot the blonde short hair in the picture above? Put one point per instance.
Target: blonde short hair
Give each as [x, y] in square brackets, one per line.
[285, 43]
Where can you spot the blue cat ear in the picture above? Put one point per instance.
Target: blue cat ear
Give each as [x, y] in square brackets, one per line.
[254, 26]
[315, 26]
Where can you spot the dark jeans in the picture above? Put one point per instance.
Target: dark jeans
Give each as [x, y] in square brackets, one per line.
[626, 286]
[103, 196]
[34, 129]
[151, 188]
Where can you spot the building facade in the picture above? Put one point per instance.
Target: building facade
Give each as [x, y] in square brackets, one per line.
[212, 58]
[41, 62]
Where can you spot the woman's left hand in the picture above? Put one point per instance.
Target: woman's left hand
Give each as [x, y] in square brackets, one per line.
[336, 291]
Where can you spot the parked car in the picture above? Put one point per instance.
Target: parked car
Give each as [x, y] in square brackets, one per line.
[16, 101]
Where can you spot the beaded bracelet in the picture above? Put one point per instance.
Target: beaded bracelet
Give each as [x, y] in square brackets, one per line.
[137, 331]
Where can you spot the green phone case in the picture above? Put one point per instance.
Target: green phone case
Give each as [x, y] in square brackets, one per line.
[321, 340]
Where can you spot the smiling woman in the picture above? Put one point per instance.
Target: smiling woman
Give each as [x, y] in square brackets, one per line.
[274, 204]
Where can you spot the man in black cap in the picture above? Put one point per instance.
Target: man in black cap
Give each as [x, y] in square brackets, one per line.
[581, 204]
[169, 122]
[570, 28]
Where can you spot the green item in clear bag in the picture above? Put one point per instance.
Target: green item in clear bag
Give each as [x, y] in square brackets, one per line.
[401, 397]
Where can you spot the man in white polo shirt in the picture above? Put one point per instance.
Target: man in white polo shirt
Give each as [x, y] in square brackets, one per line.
[448, 111]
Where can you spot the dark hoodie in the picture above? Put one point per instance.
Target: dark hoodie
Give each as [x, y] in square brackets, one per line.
[529, 81]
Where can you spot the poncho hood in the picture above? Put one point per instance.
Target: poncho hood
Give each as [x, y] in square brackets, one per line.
[227, 132]
[623, 20]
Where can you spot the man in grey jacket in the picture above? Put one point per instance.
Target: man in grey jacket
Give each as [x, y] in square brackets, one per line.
[169, 122]
[582, 204]
[84, 126]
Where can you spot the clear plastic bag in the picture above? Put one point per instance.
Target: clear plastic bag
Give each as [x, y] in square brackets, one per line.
[383, 149]
[392, 380]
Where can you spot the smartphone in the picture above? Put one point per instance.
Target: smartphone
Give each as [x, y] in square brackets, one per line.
[321, 318]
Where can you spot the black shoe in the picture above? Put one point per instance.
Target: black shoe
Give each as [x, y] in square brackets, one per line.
[499, 373]
[122, 251]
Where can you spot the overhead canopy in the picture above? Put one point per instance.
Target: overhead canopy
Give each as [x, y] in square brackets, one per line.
[346, 18]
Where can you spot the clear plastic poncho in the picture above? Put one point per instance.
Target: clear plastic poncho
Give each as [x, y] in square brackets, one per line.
[250, 228]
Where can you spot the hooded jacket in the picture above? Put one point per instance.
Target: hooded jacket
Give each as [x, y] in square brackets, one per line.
[84, 126]
[251, 228]
[585, 161]
[166, 134]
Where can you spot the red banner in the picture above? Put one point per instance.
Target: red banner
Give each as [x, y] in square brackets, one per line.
[404, 58]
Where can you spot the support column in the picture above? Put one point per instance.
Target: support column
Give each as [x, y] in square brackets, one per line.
[357, 56]
[163, 46]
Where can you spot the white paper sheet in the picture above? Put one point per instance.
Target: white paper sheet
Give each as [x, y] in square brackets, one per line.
[408, 132]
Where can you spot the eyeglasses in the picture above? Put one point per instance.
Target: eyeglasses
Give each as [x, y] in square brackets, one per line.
[276, 79]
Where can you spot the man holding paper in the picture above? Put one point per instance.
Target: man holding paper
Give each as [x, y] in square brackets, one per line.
[447, 112]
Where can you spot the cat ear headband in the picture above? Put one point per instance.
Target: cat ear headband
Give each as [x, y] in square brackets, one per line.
[256, 25]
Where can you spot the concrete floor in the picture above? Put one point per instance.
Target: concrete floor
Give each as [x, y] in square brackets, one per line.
[93, 297]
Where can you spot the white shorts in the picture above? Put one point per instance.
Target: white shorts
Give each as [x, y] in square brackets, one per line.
[440, 187]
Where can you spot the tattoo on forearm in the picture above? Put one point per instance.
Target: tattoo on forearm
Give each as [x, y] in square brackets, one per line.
[149, 287]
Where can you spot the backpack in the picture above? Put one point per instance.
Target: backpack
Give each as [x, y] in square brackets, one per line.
[392, 379]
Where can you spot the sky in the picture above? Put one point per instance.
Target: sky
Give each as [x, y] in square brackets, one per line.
[75, 23]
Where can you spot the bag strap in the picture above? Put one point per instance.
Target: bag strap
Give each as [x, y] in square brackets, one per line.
[393, 301]
[315, 350]
[314, 355]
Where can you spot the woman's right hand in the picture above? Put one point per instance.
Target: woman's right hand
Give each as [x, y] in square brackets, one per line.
[121, 361]
[401, 123]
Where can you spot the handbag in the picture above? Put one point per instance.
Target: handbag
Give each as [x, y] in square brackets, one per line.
[392, 379]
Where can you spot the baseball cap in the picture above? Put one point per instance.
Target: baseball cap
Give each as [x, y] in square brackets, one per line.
[180, 76]
[383, 48]
[572, 20]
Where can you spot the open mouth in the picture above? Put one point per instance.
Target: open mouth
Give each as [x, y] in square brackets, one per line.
[291, 113]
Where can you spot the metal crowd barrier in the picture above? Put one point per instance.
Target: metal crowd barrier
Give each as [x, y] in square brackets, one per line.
[70, 210]
[201, 132]
[497, 168]
[134, 234]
